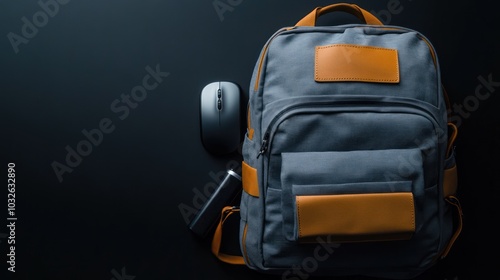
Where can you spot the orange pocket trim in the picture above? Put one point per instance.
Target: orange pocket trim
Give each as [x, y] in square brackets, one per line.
[356, 63]
[249, 179]
[357, 217]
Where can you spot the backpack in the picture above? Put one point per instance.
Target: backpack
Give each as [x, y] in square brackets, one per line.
[348, 159]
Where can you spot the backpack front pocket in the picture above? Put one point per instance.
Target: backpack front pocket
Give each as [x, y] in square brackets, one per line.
[350, 196]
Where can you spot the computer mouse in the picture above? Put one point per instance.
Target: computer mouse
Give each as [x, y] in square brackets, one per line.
[220, 117]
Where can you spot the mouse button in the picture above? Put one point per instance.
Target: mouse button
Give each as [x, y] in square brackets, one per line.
[207, 104]
[210, 88]
[229, 87]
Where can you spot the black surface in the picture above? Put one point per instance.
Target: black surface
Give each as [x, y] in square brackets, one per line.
[117, 214]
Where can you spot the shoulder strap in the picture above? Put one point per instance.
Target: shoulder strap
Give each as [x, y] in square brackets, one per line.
[217, 239]
[450, 189]
[454, 201]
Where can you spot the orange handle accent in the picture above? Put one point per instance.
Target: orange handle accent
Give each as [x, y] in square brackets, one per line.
[365, 16]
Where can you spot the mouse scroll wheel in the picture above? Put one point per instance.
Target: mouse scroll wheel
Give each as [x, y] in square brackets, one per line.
[219, 99]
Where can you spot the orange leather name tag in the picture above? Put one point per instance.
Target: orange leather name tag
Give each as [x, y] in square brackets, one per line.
[356, 63]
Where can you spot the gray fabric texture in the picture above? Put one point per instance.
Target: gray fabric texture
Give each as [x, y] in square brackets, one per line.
[334, 138]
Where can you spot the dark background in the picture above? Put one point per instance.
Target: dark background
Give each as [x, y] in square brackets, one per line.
[117, 215]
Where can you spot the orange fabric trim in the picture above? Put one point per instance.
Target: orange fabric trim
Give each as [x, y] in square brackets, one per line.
[244, 241]
[344, 62]
[358, 217]
[250, 130]
[249, 179]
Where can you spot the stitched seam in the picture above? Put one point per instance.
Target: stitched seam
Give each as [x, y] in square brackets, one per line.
[412, 209]
[298, 216]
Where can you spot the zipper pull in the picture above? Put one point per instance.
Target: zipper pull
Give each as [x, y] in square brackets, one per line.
[263, 147]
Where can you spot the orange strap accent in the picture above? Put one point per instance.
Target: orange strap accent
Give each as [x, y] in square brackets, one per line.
[450, 181]
[365, 16]
[454, 201]
[452, 138]
[217, 239]
[249, 179]
[250, 130]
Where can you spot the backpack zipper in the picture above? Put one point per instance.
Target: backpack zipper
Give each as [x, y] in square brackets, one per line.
[327, 104]
[263, 147]
[266, 136]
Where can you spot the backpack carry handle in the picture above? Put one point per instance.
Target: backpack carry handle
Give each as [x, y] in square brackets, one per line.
[365, 16]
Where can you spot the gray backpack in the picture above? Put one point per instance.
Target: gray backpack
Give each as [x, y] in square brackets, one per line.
[348, 162]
